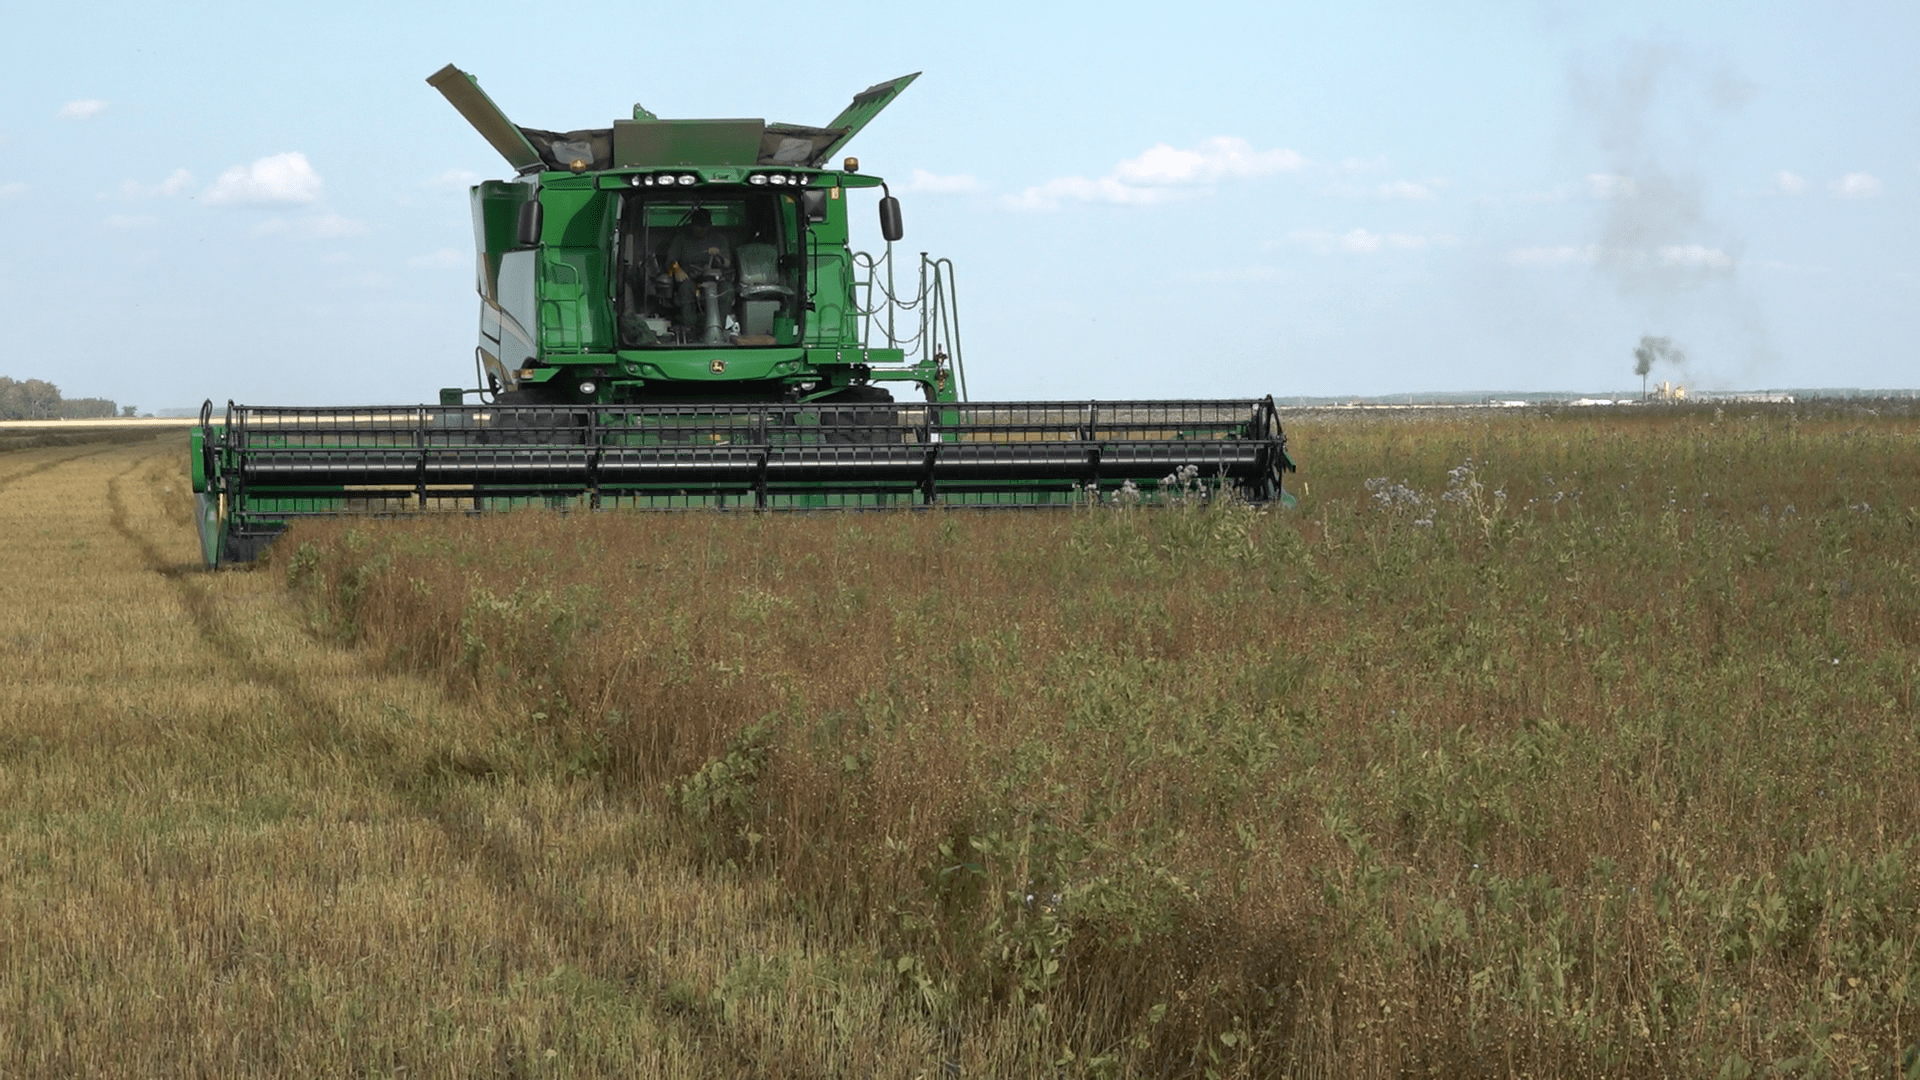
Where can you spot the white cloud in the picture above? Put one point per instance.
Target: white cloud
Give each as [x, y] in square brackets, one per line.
[322, 227]
[1106, 189]
[1407, 189]
[174, 184]
[131, 221]
[1366, 242]
[443, 258]
[81, 110]
[452, 178]
[1695, 255]
[1543, 257]
[1163, 173]
[8, 191]
[1402, 190]
[1790, 184]
[1857, 185]
[931, 184]
[1607, 186]
[1218, 158]
[279, 178]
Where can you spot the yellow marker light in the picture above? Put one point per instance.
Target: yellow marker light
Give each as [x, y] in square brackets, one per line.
[577, 165]
[852, 164]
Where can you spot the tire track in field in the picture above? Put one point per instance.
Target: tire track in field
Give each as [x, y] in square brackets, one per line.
[495, 855]
[7, 479]
[320, 720]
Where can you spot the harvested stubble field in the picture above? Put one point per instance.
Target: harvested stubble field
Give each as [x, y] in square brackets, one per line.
[1549, 745]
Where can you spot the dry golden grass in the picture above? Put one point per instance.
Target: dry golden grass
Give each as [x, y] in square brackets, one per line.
[1525, 745]
[1603, 767]
[233, 850]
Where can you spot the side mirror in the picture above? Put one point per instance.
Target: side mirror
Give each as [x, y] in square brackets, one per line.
[890, 227]
[531, 218]
[814, 202]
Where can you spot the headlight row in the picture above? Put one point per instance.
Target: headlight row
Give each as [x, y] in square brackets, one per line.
[688, 180]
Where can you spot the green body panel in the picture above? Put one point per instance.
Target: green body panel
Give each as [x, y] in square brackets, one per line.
[197, 443]
[696, 365]
[496, 209]
[686, 142]
[574, 312]
[830, 274]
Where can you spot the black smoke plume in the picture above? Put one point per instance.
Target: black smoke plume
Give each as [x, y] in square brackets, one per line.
[1652, 350]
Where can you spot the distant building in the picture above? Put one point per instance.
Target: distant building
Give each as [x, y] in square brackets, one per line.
[1759, 397]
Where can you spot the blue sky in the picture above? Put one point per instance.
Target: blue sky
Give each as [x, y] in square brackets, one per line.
[266, 202]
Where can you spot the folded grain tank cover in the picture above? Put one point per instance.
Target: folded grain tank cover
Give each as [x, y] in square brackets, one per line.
[792, 144]
[866, 105]
[465, 95]
[642, 143]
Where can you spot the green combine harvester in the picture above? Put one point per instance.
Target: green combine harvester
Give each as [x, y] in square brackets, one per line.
[671, 317]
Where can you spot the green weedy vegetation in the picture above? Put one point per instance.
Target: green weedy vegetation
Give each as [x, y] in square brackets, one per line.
[1556, 745]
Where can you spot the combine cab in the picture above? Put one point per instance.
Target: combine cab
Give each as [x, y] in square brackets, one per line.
[671, 317]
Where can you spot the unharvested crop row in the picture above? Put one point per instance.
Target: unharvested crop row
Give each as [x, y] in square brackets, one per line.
[1548, 745]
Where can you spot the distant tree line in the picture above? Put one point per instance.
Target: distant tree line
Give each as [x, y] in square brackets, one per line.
[38, 399]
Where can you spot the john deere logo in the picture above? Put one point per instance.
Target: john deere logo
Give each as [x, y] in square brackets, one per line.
[718, 367]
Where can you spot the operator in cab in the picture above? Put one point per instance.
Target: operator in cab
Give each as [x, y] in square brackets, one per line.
[698, 254]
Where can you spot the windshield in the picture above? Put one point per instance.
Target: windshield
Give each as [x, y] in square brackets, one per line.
[708, 270]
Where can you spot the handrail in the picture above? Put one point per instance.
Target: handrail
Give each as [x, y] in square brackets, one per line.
[935, 338]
